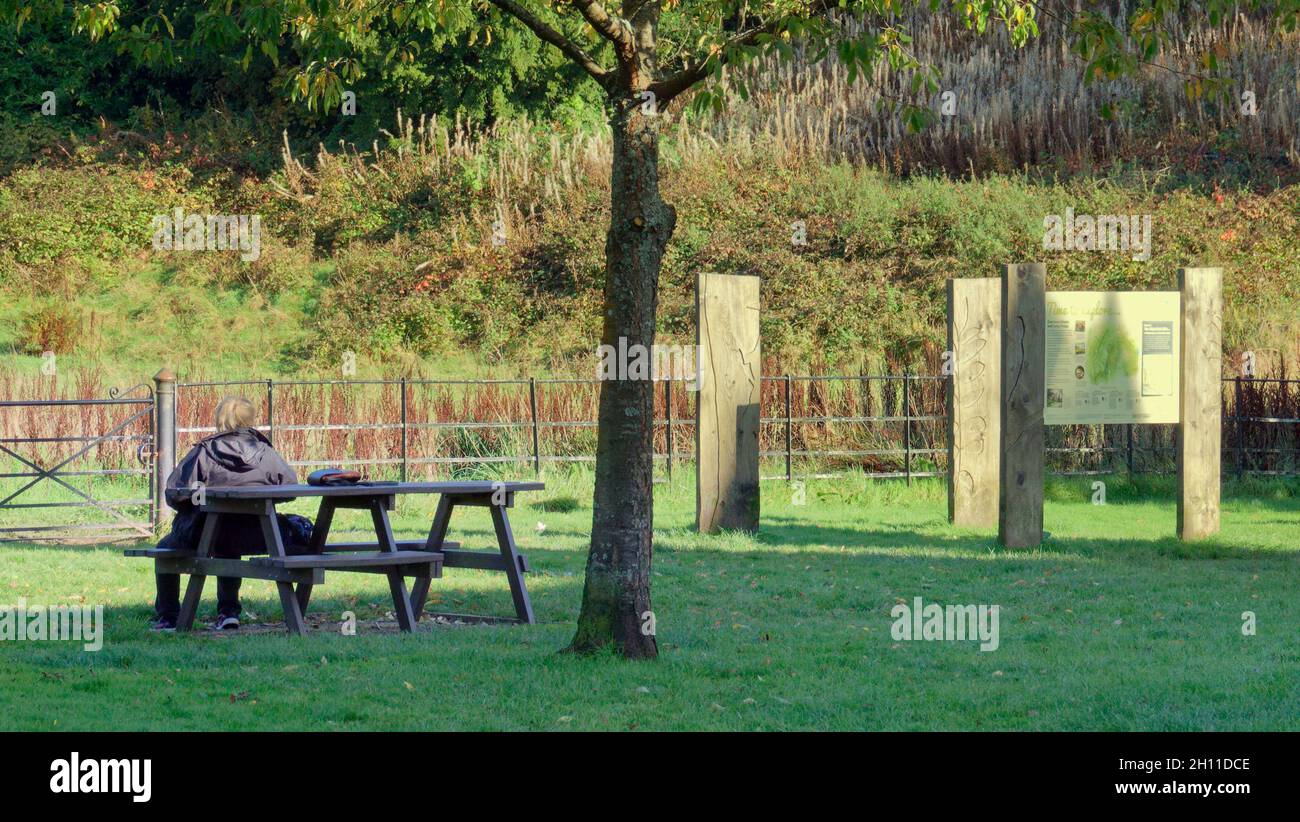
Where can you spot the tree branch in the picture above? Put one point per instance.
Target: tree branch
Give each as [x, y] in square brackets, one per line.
[608, 26]
[697, 69]
[555, 38]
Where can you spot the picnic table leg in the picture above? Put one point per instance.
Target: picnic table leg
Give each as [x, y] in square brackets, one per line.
[396, 583]
[194, 590]
[293, 620]
[437, 535]
[506, 540]
[190, 605]
[319, 535]
[303, 594]
[419, 595]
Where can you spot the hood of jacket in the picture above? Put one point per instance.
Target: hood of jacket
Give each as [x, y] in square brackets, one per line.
[239, 451]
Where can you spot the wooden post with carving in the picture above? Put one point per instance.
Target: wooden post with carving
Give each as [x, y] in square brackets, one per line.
[1024, 328]
[727, 409]
[1199, 429]
[974, 398]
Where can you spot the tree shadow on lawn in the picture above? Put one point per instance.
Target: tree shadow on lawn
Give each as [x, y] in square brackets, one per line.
[784, 531]
[807, 551]
[371, 608]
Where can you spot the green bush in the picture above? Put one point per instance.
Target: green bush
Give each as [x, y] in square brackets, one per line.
[52, 326]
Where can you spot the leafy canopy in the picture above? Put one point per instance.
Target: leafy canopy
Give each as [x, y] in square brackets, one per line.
[663, 46]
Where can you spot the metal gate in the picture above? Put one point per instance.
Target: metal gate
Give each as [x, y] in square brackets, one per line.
[89, 460]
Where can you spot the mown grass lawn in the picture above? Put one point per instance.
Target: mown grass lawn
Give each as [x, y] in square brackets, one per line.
[1114, 624]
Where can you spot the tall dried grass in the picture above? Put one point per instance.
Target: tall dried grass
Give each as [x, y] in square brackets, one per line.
[1015, 108]
[1018, 107]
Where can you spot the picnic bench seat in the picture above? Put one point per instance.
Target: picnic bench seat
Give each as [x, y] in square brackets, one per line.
[403, 545]
[295, 575]
[157, 553]
[356, 559]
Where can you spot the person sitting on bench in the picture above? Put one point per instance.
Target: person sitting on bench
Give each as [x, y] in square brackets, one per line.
[238, 454]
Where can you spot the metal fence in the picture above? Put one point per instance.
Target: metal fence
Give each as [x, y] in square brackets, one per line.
[901, 417]
[907, 431]
[406, 426]
[1262, 426]
[1260, 437]
[112, 440]
[812, 426]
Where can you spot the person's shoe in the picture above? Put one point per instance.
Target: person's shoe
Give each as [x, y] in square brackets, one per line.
[162, 624]
[227, 623]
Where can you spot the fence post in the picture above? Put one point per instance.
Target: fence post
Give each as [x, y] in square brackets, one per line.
[403, 429]
[668, 438]
[270, 410]
[907, 426]
[789, 437]
[1020, 467]
[532, 401]
[1200, 431]
[1236, 418]
[164, 440]
[728, 417]
[1129, 434]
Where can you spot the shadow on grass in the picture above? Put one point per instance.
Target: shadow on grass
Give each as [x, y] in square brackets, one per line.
[790, 531]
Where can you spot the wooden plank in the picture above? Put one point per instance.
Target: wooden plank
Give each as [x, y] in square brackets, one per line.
[157, 553]
[396, 583]
[303, 593]
[510, 554]
[435, 542]
[220, 567]
[437, 539]
[190, 605]
[293, 620]
[208, 537]
[1020, 472]
[484, 500]
[419, 572]
[194, 589]
[364, 503]
[974, 400]
[271, 534]
[1200, 393]
[481, 560]
[727, 410]
[319, 534]
[402, 545]
[275, 492]
[342, 562]
[250, 507]
[320, 531]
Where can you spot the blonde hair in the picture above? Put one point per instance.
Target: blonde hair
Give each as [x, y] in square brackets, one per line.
[235, 412]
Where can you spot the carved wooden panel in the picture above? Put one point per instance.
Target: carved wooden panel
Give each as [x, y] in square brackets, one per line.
[973, 362]
[1020, 470]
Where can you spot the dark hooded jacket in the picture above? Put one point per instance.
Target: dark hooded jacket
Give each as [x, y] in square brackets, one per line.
[236, 458]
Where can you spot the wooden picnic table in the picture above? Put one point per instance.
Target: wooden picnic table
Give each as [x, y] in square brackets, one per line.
[295, 576]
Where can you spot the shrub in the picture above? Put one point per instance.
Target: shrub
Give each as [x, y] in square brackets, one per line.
[55, 326]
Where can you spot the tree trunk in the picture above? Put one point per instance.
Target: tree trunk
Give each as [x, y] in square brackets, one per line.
[616, 608]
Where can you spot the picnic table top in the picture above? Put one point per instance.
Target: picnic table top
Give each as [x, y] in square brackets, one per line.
[372, 489]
